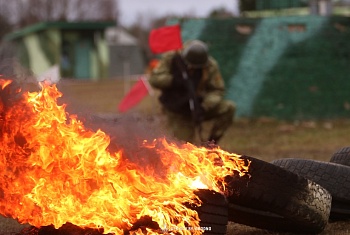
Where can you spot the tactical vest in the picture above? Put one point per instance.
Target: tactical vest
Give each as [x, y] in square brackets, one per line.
[176, 97]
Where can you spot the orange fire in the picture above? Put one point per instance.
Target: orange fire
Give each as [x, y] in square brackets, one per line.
[54, 171]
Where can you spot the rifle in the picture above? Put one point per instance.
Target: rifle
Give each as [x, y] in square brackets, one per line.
[193, 100]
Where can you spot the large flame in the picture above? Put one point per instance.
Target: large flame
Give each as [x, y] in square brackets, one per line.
[54, 171]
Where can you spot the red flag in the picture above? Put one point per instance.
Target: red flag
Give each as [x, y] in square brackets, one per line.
[166, 38]
[134, 96]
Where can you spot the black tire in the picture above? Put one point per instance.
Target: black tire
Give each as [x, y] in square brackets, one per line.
[332, 176]
[340, 211]
[276, 199]
[66, 229]
[213, 212]
[342, 156]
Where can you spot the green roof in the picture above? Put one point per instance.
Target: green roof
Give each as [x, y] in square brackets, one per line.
[59, 25]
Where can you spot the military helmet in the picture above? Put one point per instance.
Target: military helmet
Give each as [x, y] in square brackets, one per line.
[195, 53]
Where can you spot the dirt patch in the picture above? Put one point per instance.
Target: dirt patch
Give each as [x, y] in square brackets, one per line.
[9, 226]
[266, 139]
[334, 228]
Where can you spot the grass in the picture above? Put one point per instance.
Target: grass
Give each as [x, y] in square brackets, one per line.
[262, 138]
[268, 140]
[271, 139]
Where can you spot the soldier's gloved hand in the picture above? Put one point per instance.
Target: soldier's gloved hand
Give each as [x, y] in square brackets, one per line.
[178, 81]
[211, 101]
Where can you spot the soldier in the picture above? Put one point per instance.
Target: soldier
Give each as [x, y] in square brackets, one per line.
[192, 91]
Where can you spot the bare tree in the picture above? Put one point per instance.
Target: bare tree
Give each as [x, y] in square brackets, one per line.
[24, 12]
[221, 13]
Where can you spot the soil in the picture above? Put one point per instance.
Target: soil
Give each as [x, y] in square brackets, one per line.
[264, 138]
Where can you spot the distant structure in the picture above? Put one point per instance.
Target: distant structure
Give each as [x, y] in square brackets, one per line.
[293, 67]
[78, 50]
[125, 54]
[291, 7]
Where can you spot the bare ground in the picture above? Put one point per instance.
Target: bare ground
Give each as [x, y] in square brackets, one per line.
[263, 138]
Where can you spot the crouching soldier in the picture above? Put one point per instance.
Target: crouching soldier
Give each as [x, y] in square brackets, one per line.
[192, 91]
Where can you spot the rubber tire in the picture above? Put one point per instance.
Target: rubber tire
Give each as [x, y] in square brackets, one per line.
[276, 199]
[332, 176]
[213, 212]
[66, 229]
[342, 156]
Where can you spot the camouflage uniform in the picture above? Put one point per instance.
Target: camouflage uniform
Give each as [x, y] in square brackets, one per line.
[209, 88]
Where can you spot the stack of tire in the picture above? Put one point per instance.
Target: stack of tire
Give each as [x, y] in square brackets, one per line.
[275, 197]
[333, 176]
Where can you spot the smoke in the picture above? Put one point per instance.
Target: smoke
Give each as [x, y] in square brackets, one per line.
[128, 132]
[7, 60]
[11, 68]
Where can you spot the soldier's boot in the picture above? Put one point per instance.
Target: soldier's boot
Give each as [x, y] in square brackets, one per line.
[214, 139]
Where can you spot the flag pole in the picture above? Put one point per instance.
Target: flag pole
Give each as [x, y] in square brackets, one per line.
[126, 76]
[150, 90]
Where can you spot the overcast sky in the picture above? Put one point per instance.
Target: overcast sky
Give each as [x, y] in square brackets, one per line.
[130, 9]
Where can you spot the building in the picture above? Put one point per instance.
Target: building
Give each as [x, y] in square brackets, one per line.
[289, 7]
[126, 57]
[78, 49]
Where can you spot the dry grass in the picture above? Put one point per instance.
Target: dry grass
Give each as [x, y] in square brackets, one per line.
[263, 138]
[271, 139]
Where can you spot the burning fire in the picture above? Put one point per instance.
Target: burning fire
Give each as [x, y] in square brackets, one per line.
[54, 171]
